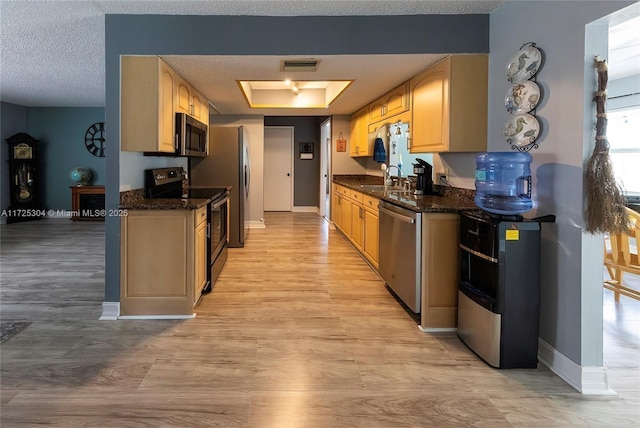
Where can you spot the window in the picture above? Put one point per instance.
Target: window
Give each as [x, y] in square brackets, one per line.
[623, 133]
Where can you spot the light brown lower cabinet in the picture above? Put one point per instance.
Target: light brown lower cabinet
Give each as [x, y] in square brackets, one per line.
[355, 214]
[370, 247]
[163, 261]
[440, 261]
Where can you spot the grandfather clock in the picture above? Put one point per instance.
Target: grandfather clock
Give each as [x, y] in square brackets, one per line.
[23, 179]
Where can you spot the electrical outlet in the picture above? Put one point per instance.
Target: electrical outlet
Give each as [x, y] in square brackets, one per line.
[441, 177]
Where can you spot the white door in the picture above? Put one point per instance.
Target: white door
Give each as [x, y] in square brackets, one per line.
[278, 168]
[325, 168]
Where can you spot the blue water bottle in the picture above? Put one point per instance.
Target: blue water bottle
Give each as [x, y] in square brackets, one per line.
[503, 182]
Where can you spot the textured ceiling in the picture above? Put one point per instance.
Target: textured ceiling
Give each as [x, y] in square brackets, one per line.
[53, 51]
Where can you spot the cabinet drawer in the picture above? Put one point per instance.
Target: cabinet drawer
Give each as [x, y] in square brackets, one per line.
[356, 196]
[201, 215]
[344, 191]
[370, 203]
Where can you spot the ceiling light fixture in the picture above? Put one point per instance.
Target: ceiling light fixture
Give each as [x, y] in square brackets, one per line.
[296, 94]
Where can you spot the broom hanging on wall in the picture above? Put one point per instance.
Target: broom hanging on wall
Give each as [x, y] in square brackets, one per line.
[605, 201]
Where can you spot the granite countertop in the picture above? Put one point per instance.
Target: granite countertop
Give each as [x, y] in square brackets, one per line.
[166, 204]
[446, 200]
[135, 200]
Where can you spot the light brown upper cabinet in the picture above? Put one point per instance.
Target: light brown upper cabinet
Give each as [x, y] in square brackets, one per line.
[189, 101]
[390, 104]
[200, 107]
[359, 133]
[183, 97]
[449, 106]
[147, 105]
[152, 93]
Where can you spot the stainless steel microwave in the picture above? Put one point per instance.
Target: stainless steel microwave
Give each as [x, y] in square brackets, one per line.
[191, 136]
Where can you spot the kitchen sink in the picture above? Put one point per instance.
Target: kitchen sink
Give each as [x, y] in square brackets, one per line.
[384, 188]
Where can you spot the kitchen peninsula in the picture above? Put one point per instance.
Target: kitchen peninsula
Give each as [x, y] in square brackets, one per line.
[165, 254]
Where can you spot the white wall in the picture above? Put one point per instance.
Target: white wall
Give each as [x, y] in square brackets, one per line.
[254, 130]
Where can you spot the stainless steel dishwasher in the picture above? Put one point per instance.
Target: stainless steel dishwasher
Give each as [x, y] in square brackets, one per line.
[401, 252]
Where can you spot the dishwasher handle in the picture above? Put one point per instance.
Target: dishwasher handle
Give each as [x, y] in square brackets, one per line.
[396, 215]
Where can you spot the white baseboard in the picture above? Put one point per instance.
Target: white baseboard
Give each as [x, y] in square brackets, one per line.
[305, 210]
[256, 225]
[156, 317]
[110, 311]
[437, 329]
[587, 380]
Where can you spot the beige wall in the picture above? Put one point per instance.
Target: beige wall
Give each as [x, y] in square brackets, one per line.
[341, 162]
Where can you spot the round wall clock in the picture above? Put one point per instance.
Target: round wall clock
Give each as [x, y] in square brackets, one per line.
[94, 139]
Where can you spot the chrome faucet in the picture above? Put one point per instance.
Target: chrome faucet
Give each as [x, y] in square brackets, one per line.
[386, 173]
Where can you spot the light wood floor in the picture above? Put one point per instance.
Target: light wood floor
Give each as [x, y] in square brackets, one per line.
[298, 332]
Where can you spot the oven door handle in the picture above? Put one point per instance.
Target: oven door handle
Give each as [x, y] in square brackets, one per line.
[219, 203]
[396, 215]
[479, 254]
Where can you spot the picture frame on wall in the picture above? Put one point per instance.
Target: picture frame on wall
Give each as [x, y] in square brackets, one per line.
[306, 150]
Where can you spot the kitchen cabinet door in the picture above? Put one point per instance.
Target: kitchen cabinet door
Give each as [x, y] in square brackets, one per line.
[200, 256]
[347, 219]
[429, 110]
[449, 106]
[147, 121]
[183, 97]
[371, 235]
[167, 122]
[158, 262]
[357, 225]
[392, 103]
[200, 108]
[359, 133]
[336, 209]
[439, 270]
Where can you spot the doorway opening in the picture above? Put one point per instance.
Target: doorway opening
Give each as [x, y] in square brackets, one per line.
[325, 169]
[621, 315]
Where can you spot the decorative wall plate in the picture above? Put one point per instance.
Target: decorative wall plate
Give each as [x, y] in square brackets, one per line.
[524, 64]
[521, 129]
[522, 97]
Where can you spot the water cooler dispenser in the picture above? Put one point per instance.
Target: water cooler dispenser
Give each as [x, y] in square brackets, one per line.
[499, 289]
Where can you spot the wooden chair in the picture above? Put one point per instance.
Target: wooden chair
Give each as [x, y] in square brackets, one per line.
[621, 255]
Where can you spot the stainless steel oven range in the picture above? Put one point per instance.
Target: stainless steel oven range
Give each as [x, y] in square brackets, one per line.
[168, 183]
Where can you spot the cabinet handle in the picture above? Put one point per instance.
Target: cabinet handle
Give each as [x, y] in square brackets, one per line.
[408, 143]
